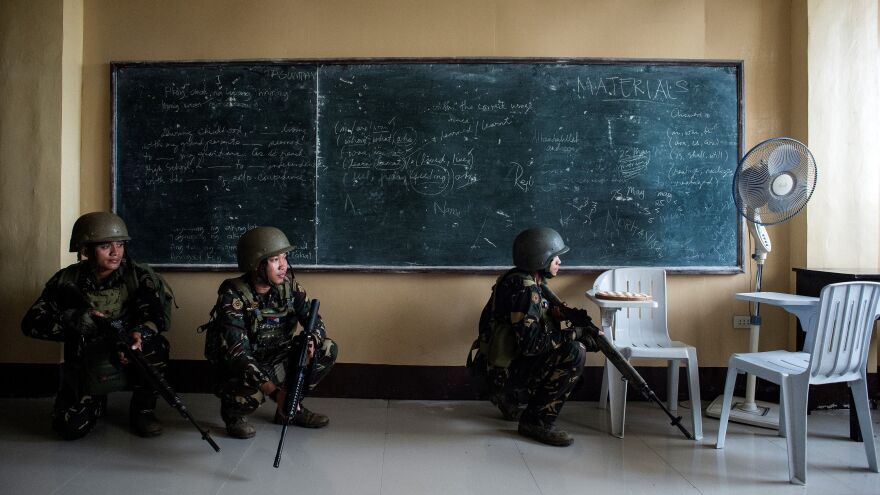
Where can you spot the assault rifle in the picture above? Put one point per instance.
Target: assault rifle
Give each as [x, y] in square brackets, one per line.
[298, 368]
[580, 319]
[73, 297]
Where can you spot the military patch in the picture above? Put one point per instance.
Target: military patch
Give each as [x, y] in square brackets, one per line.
[237, 304]
[535, 298]
[149, 283]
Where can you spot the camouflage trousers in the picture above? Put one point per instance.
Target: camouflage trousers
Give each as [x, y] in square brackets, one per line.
[545, 381]
[77, 408]
[238, 398]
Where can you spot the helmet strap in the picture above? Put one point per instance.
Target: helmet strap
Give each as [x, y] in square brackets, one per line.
[86, 253]
[260, 274]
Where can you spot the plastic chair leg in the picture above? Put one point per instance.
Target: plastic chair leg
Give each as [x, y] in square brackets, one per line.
[672, 384]
[603, 391]
[781, 417]
[725, 406]
[617, 398]
[863, 409]
[794, 393]
[693, 371]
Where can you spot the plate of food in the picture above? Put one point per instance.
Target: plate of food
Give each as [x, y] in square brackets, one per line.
[616, 295]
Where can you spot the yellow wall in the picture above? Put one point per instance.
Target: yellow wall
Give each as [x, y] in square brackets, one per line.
[430, 319]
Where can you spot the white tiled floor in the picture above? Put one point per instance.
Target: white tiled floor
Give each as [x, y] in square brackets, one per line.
[418, 447]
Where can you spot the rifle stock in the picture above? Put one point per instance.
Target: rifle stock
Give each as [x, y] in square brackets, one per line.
[74, 297]
[298, 367]
[579, 318]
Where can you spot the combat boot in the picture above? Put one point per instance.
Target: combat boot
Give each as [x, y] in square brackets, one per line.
[142, 420]
[549, 435]
[237, 426]
[144, 423]
[304, 418]
[510, 409]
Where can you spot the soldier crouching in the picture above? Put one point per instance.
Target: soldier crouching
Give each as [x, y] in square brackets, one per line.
[529, 357]
[83, 306]
[251, 333]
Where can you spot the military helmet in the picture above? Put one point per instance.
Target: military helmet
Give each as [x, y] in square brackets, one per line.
[258, 244]
[534, 249]
[98, 226]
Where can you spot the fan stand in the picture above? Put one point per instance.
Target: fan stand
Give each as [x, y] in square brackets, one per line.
[747, 410]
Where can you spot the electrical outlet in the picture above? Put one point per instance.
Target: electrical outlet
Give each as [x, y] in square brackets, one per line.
[741, 321]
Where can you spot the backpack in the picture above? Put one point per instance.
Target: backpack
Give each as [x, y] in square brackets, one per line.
[163, 289]
[495, 344]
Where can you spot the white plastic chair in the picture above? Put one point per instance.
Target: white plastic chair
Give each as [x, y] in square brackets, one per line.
[643, 333]
[840, 338]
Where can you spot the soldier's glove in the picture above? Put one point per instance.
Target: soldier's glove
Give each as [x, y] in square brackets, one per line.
[79, 321]
[586, 337]
[145, 331]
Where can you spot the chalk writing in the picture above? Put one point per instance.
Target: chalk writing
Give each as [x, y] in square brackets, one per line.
[410, 165]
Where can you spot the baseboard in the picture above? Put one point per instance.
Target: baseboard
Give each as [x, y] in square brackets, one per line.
[382, 381]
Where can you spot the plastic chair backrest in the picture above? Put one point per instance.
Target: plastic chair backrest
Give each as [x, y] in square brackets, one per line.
[638, 327]
[842, 331]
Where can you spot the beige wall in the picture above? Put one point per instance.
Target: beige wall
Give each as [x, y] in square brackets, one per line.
[40, 49]
[429, 319]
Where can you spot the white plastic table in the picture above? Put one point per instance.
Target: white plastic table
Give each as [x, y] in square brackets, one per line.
[804, 308]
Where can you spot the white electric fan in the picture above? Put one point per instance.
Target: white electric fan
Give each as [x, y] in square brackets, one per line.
[772, 183]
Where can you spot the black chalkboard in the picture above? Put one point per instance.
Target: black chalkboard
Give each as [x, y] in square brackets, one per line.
[429, 164]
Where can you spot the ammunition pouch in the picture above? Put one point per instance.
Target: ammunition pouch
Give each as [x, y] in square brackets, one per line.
[272, 342]
[101, 371]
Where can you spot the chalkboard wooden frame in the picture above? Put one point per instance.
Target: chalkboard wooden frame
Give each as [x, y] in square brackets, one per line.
[118, 160]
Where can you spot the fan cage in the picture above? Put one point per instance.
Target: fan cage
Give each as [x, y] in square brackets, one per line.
[774, 181]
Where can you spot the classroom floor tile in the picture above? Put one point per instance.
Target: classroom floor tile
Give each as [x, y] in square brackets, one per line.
[379, 447]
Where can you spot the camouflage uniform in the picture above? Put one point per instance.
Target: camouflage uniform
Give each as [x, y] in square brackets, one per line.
[548, 360]
[249, 342]
[91, 368]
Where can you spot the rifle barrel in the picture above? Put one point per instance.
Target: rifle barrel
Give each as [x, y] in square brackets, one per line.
[296, 388]
[580, 318]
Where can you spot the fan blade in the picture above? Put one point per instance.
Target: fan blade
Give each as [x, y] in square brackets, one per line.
[752, 187]
[784, 158]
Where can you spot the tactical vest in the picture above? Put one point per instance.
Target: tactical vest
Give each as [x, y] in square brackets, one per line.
[270, 330]
[99, 371]
[109, 301]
